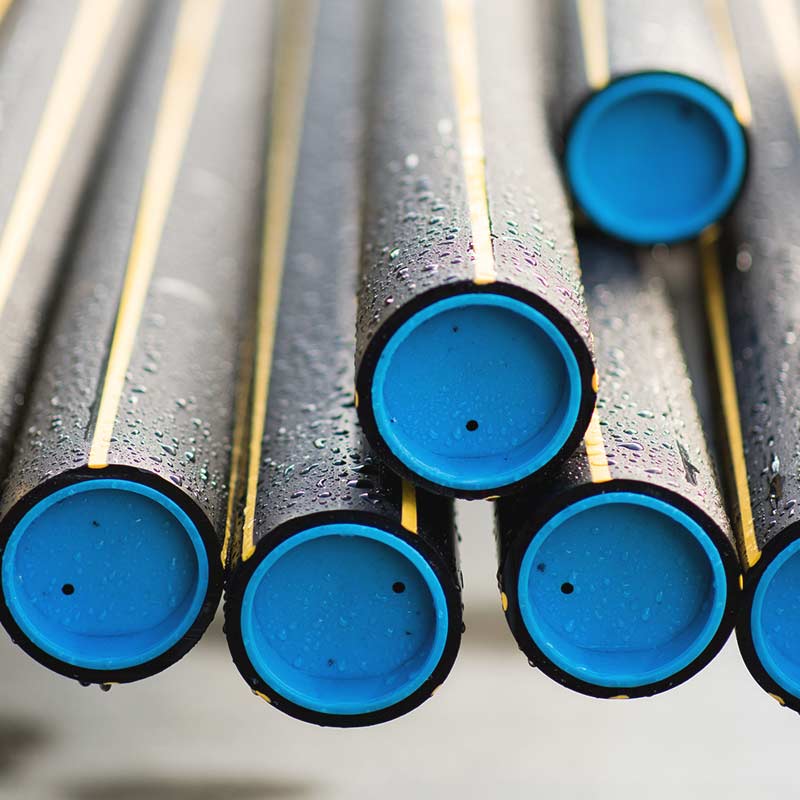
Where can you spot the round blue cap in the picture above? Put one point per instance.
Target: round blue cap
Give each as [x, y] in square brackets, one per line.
[344, 619]
[775, 618]
[655, 157]
[105, 574]
[622, 590]
[476, 391]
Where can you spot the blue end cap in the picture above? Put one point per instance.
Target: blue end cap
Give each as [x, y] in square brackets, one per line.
[105, 574]
[622, 590]
[656, 157]
[476, 391]
[344, 619]
[775, 618]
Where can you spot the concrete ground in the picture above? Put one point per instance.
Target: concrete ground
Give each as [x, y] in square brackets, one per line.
[496, 728]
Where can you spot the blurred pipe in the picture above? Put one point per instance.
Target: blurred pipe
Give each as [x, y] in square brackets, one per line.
[343, 600]
[620, 578]
[115, 507]
[61, 68]
[655, 107]
[473, 358]
[752, 278]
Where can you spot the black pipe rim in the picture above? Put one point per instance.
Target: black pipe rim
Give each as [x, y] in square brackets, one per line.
[509, 574]
[239, 578]
[369, 361]
[193, 634]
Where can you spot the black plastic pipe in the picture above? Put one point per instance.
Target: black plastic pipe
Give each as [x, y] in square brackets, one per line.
[114, 512]
[620, 578]
[751, 286]
[61, 68]
[654, 111]
[343, 600]
[473, 358]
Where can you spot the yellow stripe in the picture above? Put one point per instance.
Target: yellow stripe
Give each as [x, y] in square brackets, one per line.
[292, 68]
[596, 451]
[721, 345]
[784, 29]
[592, 21]
[408, 511]
[4, 6]
[194, 36]
[719, 14]
[238, 449]
[461, 44]
[88, 39]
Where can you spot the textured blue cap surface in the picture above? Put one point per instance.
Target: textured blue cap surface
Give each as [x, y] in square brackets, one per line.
[655, 157]
[622, 589]
[105, 574]
[775, 618]
[476, 391]
[344, 619]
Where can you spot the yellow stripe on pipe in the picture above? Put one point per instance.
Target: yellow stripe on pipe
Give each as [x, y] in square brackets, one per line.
[462, 51]
[592, 22]
[596, 451]
[783, 24]
[719, 14]
[238, 448]
[194, 37]
[88, 39]
[4, 6]
[408, 511]
[777, 697]
[723, 358]
[292, 69]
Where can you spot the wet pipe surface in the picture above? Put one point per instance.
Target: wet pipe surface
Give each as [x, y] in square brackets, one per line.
[141, 251]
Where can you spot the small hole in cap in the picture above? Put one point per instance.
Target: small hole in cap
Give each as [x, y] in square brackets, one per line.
[567, 588]
[472, 425]
[68, 588]
[398, 587]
